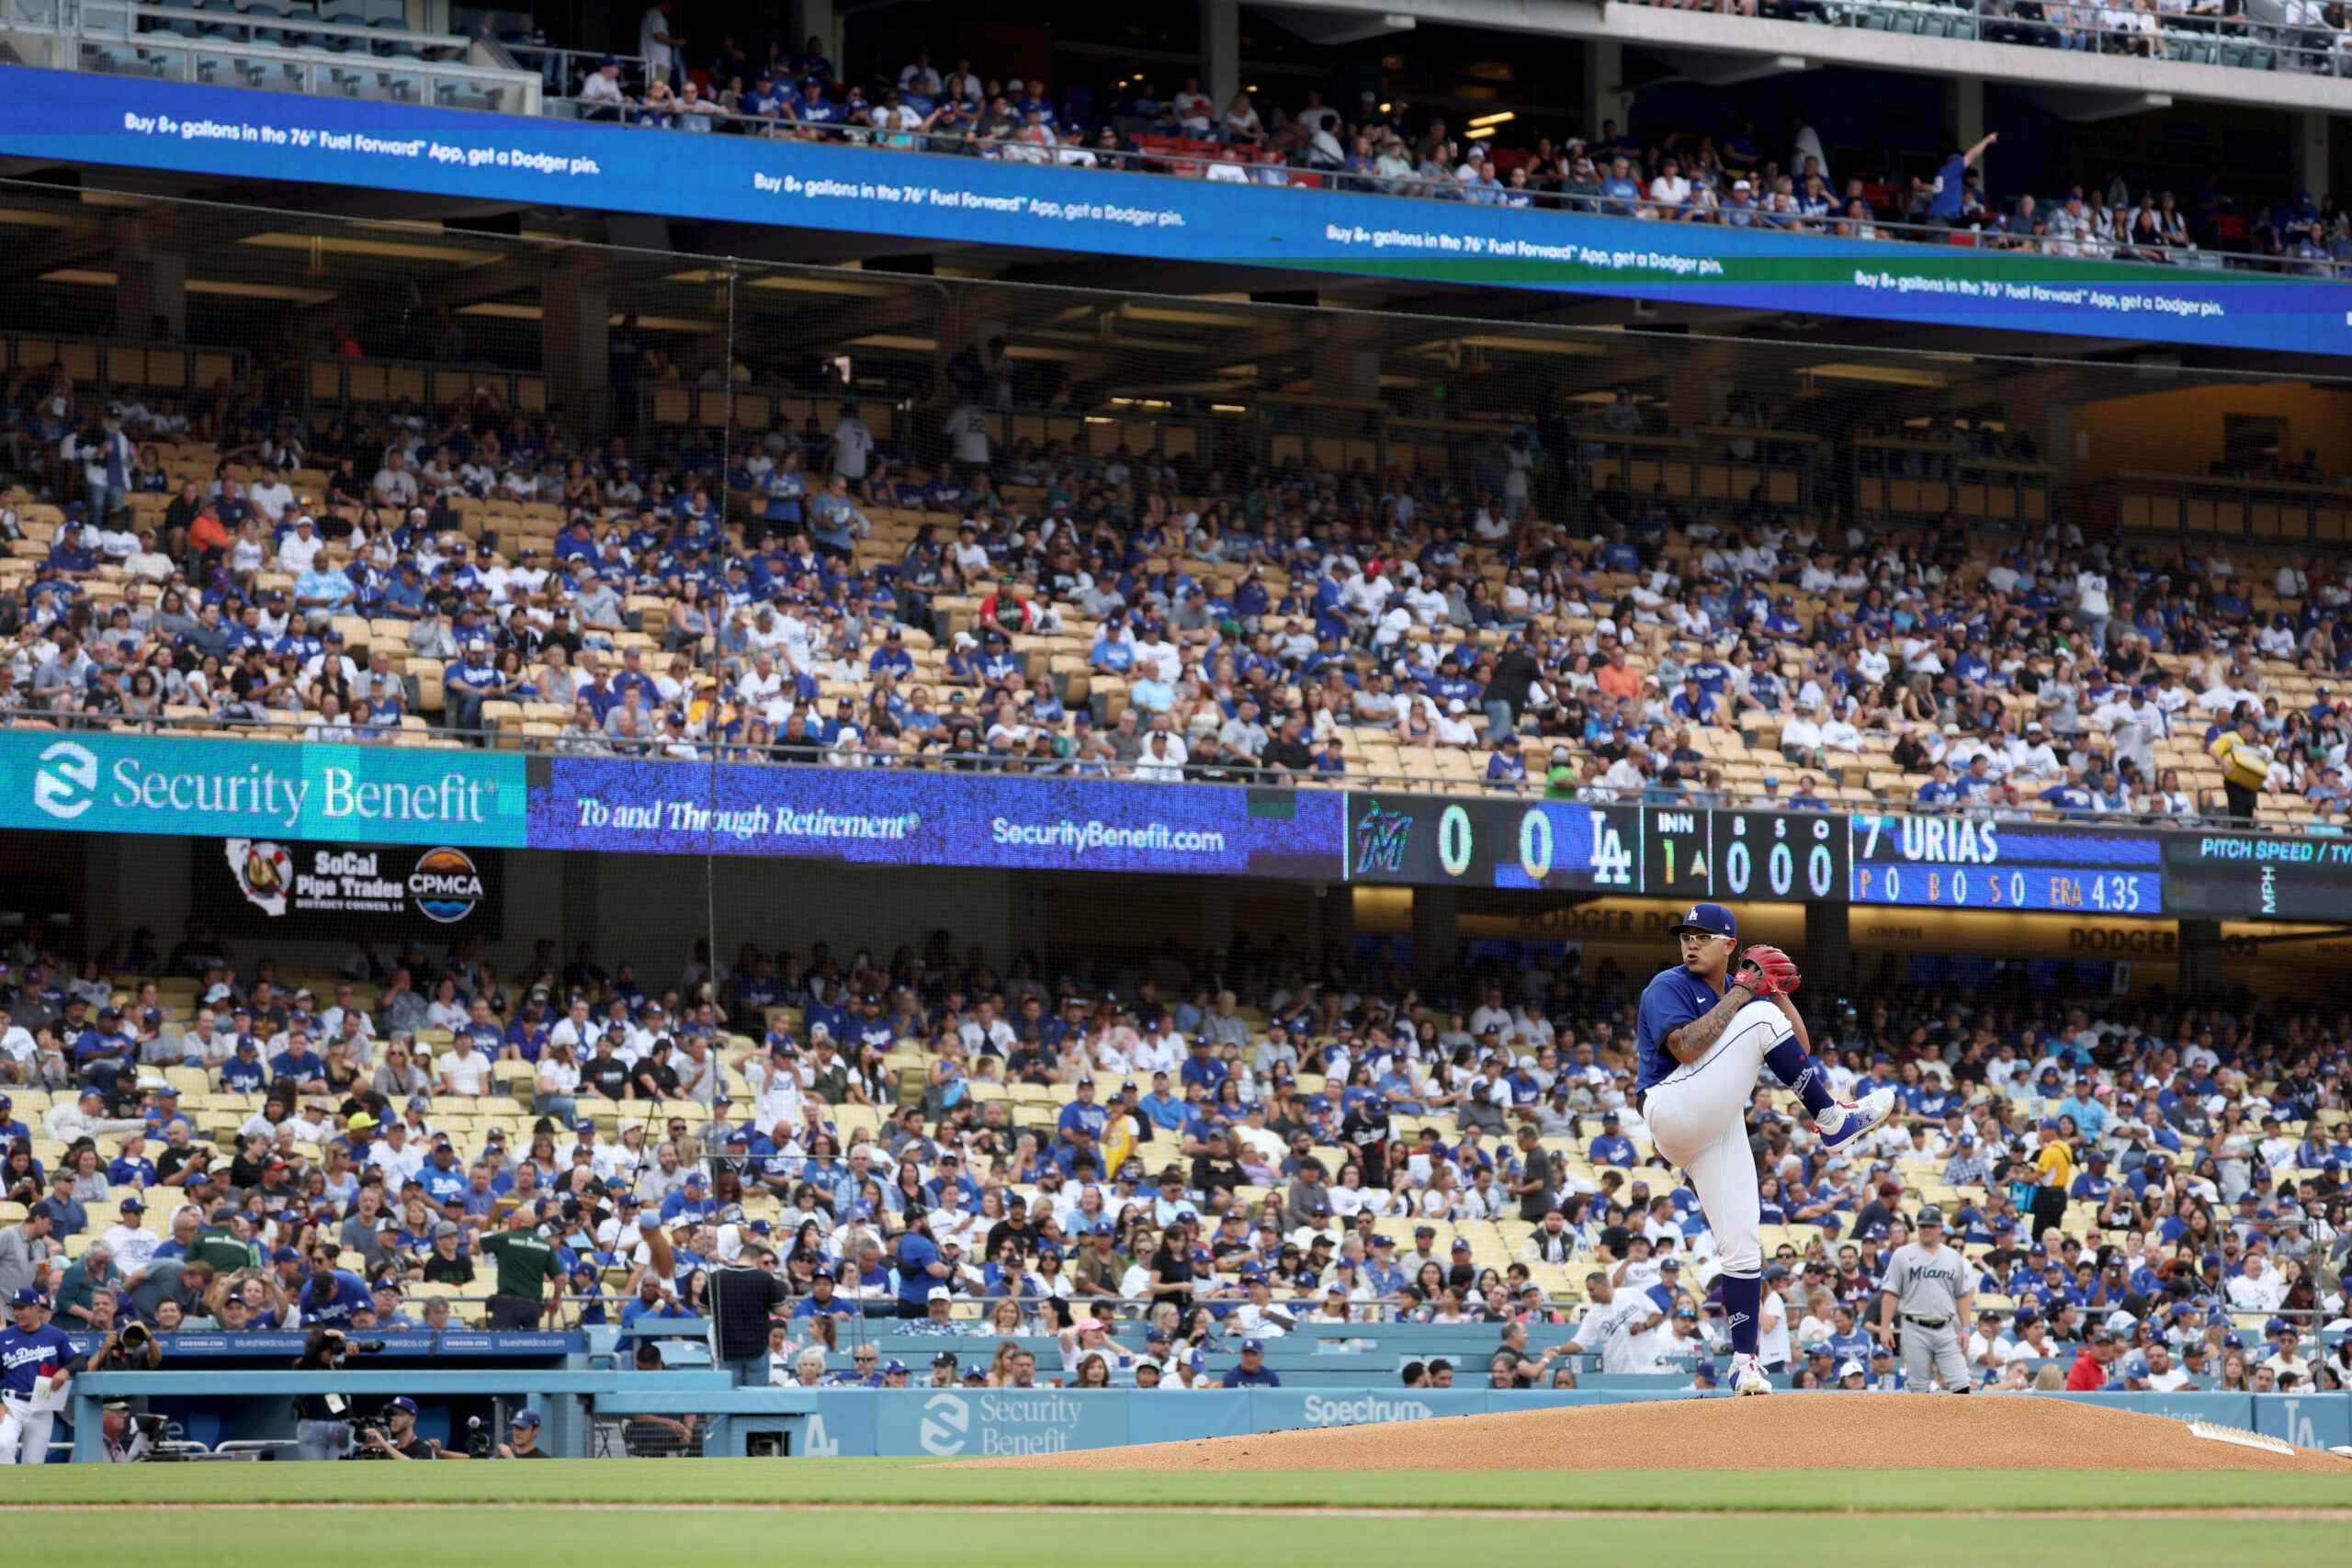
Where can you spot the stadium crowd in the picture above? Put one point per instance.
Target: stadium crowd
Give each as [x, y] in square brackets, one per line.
[1739, 175]
[2150, 1195]
[817, 592]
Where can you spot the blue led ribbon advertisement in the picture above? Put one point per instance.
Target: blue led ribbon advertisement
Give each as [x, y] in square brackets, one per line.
[312, 829]
[881, 818]
[127, 123]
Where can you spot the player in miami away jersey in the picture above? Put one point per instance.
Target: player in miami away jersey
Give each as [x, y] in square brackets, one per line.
[1706, 1030]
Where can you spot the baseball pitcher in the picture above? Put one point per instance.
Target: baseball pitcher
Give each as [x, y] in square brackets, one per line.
[1706, 1031]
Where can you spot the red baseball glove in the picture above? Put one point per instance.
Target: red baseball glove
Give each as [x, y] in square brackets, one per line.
[1767, 972]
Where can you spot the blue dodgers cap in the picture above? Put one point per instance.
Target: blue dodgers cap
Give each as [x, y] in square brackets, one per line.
[1253, 1346]
[1712, 919]
[404, 1403]
[1705, 1372]
[527, 1416]
[26, 1296]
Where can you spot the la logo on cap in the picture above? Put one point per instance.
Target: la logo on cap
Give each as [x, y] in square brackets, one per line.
[1692, 917]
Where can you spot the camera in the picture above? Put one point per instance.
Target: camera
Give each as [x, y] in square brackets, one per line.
[133, 1338]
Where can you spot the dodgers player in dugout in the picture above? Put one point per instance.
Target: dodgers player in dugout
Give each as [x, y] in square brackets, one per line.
[1706, 1030]
[36, 1359]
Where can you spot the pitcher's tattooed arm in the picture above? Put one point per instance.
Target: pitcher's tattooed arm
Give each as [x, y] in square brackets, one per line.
[1694, 1039]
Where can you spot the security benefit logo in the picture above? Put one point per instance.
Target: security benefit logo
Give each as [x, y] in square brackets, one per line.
[442, 885]
[65, 784]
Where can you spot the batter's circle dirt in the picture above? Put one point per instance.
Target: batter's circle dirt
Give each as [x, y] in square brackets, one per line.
[1808, 1431]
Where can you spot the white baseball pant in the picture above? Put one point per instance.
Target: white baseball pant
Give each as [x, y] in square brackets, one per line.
[24, 1432]
[1698, 1118]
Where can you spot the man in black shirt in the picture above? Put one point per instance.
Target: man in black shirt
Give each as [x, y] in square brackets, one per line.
[1217, 1170]
[523, 1436]
[603, 1072]
[1506, 687]
[1534, 1184]
[742, 1301]
[1015, 1224]
[180, 1152]
[1030, 1062]
[1288, 751]
[397, 1439]
[1365, 1131]
[655, 1079]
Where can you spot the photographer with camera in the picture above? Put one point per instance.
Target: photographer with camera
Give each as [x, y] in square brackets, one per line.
[323, 1420]
[126, 1437]
[392, 1435]
[129, 1349]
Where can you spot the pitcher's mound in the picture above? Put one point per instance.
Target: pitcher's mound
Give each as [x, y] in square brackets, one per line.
[1805, 1431]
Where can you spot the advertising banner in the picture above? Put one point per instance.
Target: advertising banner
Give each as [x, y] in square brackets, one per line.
[287, 888]
[884, 819]
[997, 1421]
[131, 123]
[91, 783]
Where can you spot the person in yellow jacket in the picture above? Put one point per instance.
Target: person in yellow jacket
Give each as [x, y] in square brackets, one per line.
[2245, 763]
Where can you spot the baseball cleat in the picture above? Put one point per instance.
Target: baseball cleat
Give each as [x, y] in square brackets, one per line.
[1747, 1377]
[1849, 1119]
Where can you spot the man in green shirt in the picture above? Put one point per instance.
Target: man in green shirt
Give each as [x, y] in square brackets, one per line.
[224, 1249]
[528, 1270]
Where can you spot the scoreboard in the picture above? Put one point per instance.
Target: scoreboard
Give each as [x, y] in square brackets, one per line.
[1962, 864]
[1744, 854]
[1944, 861]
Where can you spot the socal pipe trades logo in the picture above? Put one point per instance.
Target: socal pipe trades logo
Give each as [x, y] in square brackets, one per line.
[444, 886]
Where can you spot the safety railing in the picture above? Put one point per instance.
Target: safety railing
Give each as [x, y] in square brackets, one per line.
[2265, 39]
[216, 43]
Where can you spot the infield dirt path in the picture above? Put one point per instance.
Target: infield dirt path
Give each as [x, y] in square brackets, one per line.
[1808, 1431]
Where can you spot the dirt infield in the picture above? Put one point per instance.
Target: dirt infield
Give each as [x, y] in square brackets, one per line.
[1812, 1431]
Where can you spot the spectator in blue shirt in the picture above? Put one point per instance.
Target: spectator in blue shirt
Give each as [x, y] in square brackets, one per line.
[1254, 1371]
[244, 1072]
[1082, 1115]
[1164, 1109]
[1612, 1147]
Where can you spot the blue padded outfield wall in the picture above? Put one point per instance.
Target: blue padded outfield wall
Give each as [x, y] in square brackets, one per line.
[129, 123]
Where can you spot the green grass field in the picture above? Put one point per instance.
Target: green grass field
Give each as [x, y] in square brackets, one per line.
[721, 1511]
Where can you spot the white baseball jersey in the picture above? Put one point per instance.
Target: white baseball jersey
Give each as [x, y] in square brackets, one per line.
[1614, 1330]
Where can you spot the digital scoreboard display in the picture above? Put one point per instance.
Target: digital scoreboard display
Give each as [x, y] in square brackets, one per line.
[2257, 876]
[1800, 856]
[1962, 864]
[1929, 860]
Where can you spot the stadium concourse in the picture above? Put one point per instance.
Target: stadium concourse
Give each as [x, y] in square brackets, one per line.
[1161, 1182]
[1539, 605]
